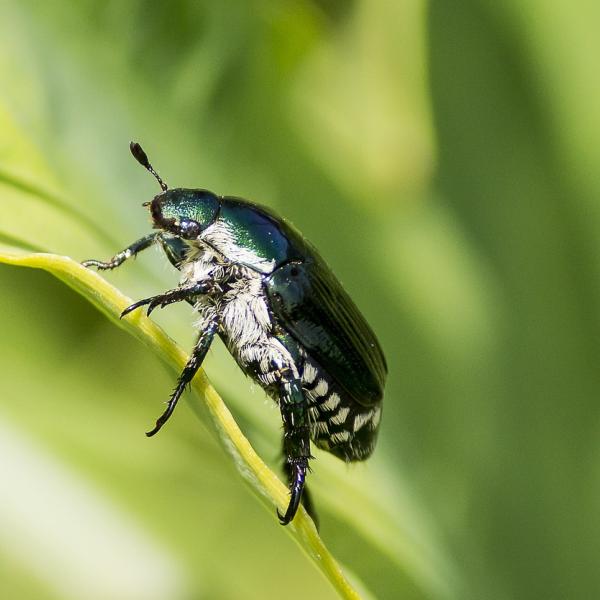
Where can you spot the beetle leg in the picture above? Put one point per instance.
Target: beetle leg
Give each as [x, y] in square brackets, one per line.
[121, 257]
[306, 495]
[195, 361]
[177, 295]
[296, 442]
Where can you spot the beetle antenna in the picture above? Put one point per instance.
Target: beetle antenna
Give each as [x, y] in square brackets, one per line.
[142, 158]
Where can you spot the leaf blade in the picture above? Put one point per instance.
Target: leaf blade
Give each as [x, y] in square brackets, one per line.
[264, 482]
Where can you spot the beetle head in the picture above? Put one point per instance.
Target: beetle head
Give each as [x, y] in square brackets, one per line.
[184, 213]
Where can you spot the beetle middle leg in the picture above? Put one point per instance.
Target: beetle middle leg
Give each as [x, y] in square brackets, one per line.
[296, 442]
[194, 363]
[179, 294]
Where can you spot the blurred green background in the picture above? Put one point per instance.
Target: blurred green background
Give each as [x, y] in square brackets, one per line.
[444, 157]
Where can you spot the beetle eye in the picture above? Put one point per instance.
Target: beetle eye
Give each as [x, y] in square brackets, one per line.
[189, 229]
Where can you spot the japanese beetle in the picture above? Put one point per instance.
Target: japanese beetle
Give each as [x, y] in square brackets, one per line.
[265, 290]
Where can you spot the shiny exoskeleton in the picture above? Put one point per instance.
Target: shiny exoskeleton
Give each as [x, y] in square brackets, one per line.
[283, 315]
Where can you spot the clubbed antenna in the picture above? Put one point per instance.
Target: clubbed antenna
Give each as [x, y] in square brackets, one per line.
[142, 158]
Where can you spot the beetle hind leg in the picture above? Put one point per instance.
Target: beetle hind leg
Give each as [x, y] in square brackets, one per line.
[297, 468]
[296, 442]
[306, 499]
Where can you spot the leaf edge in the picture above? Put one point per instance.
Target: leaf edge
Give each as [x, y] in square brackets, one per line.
[261, 479]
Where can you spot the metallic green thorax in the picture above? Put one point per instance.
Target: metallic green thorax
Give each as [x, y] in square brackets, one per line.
[255, 228]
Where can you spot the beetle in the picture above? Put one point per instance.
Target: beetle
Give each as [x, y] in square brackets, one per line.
[265, 290]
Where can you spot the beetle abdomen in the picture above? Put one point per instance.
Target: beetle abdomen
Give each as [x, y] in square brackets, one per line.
[339, 424]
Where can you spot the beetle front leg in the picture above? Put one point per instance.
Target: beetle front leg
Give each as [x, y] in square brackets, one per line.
[296, 442]
[179, 294]
[121, 257]
[194, 363]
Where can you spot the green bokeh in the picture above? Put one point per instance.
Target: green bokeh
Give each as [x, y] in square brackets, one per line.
[444, 157]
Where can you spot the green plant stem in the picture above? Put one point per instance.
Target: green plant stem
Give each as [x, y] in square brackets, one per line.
[262, 480]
